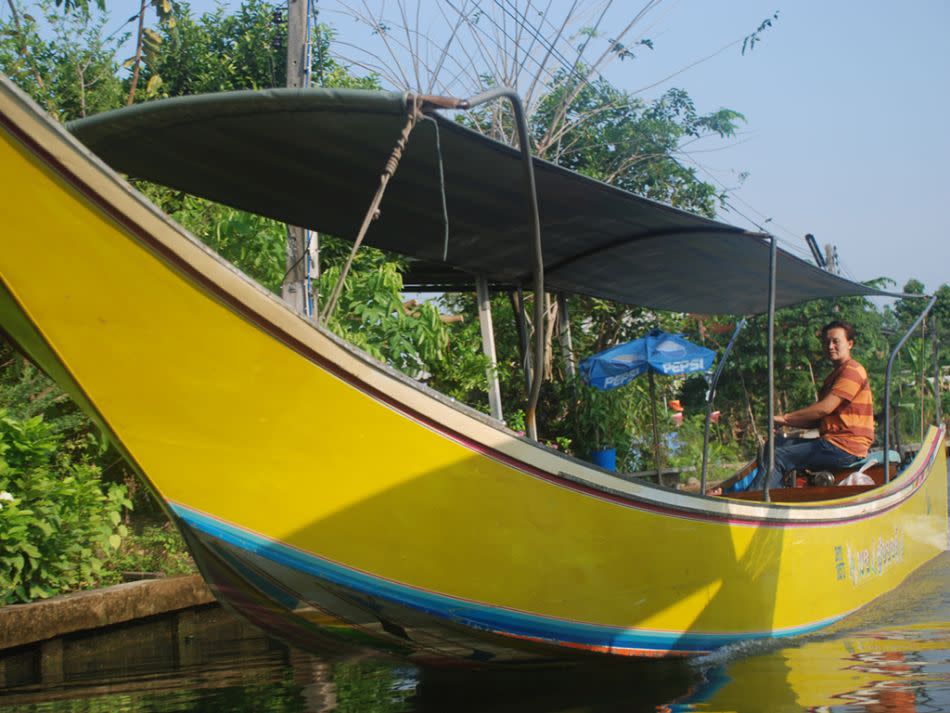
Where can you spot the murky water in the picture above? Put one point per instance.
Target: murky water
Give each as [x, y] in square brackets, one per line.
[892, 656]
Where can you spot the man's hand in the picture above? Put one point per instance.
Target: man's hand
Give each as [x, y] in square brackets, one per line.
[809, 416]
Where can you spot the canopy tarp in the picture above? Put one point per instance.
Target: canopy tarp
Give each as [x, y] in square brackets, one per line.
[313, 158]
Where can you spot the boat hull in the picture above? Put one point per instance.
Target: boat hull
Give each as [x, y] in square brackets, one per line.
[331, 500]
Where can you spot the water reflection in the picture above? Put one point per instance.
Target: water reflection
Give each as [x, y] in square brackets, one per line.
[892, 656]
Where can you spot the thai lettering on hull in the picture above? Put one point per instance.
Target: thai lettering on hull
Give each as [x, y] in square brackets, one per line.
[859, 562]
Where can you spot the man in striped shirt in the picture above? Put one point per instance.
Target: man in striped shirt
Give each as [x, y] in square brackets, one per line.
[843, 414]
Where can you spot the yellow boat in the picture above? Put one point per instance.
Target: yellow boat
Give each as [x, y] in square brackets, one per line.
[337, 503]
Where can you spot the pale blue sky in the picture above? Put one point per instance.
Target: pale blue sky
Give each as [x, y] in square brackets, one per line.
[845, 103]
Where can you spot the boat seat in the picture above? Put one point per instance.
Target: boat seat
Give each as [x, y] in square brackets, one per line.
[875, 457]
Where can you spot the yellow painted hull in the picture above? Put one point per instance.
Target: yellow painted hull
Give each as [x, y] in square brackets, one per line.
[303, 471]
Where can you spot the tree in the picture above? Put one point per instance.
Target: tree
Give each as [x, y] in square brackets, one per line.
[71, 68]
[148, 46]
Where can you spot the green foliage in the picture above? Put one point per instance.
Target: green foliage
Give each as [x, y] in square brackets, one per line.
[688, 448]
[913, 377]
[246, 48]
[251, 243]
[26, 392]
[371, 315]
[600, 419]
[370, 687]
[80, 6]
[157, 548]
[750, 41]
[463, 371]
[611, 135]
[70, 68]
[221, 50]
[58, 523]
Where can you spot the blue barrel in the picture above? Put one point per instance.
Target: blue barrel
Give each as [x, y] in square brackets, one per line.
[605, 458]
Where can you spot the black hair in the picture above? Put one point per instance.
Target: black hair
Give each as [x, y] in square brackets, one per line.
[838, 324]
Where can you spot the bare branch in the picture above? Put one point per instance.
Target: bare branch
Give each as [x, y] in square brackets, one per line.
[584, 80]
[550, 48]
[455, 27]
[687, 67]
[413, 52]
[384, 36]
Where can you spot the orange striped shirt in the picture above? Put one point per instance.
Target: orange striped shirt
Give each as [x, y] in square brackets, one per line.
[850, 427]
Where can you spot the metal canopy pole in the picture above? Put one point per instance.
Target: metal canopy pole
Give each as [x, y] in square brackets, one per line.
[539, 311]
[887, 388]
[923, 348]
[488, 345]
[771, 460]
[710, 396]
[938, 413]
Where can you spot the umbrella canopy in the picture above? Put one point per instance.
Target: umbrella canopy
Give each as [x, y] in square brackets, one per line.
[665, 353]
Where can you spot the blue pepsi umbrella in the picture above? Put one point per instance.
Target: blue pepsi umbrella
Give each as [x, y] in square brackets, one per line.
[659, 351]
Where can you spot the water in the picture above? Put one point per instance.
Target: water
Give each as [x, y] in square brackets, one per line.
[892, 656]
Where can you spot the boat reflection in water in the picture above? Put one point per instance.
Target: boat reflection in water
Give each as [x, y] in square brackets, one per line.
[893, 656]
[887, 670]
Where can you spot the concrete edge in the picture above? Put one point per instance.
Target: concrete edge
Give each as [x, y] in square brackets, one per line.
[22, 624]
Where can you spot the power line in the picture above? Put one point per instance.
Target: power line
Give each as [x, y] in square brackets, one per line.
[792, 246]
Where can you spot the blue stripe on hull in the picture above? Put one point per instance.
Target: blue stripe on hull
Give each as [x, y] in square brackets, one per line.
[473, 614]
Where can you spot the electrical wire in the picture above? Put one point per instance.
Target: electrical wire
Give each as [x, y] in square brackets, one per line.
[791, 246]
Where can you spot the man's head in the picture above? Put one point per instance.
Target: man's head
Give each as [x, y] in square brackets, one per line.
[838, 340]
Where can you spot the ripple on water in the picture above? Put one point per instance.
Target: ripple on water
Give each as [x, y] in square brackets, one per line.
[893, 655]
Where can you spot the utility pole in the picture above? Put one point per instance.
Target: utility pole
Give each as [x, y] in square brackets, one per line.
[831, 258]
[295, 289]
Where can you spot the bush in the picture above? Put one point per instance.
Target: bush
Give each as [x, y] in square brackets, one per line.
[157, 548]
[58, 522]
[688, 449]
[600, 419]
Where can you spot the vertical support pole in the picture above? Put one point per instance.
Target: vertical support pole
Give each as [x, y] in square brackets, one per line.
[564, 336]
[938, 386]
[710, 397]
[294, 288]
[488, 345]
[923, 382]
[656, 433]
[524, 143]
[771, 459]
[887, 389]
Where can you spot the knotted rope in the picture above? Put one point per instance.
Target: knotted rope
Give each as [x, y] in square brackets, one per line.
[373, 213]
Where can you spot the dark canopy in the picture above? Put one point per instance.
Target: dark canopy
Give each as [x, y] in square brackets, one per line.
[313, 158]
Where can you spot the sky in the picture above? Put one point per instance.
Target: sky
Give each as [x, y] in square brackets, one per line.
[845, 105]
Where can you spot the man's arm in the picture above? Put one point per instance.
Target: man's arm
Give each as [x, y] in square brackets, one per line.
[809, 416]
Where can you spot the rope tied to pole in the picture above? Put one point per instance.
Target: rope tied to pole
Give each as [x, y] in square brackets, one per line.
[373, 212]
